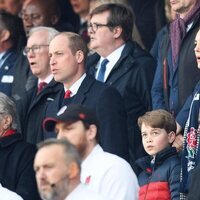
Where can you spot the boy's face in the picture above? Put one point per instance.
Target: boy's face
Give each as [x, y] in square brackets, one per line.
[155, 139]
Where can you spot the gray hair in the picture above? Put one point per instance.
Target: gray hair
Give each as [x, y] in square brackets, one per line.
[52, 32]
[70, 152]
[8, 107]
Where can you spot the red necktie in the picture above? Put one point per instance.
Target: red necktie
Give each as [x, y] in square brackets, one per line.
[41, 86]
[67, 94]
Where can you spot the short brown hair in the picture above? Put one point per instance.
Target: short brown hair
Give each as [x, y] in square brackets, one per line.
[158, 119]
[76, 43]
[120, 15]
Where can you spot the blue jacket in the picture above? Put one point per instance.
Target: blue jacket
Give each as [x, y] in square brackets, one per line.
[7, 72]
[172, 86]
[160, 179]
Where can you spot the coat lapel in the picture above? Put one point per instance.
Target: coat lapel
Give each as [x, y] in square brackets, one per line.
[83, 90]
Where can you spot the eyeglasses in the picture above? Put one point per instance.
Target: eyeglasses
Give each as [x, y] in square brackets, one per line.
[34, 48]
[96, 26]
[32, 17]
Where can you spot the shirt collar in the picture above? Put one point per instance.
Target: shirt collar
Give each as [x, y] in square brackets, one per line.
[91, 157]
[46, 80]
[74, 88]
[2, 55]
[114, 56]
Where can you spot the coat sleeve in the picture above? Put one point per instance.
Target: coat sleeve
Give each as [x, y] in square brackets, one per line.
[26, 186]
[112, 116]
[174, 182]
[158, 101]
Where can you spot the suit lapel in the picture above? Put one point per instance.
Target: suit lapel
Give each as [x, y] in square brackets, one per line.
[9, 62]
[83, 90]
[122, 66]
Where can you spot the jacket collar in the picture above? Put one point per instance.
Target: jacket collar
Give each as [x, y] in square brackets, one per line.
[9, 140]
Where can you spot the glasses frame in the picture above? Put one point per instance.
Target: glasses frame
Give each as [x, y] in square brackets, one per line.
[35, 48]
[96, 26]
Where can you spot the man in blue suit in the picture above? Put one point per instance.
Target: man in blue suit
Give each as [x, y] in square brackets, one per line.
[9, 34]
[67, 53]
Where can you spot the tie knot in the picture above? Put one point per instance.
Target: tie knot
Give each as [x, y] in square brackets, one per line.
[102, 70]
[67, 94]
[41, 86]
[104, 62]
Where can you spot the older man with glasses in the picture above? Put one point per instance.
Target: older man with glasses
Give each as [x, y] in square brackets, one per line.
[32, 103]
[35, 13]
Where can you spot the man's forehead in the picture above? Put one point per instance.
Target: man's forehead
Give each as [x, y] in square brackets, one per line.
[64, 124]
[29, 5]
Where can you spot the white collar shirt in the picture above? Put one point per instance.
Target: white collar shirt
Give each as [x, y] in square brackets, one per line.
[112, 58]
[46, 80]
[82, 192]
[8, 194]
[74, 88]
[109, 175]
[2, 58]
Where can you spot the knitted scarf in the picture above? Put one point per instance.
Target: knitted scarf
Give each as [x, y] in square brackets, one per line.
[178, 30]
[190, 156]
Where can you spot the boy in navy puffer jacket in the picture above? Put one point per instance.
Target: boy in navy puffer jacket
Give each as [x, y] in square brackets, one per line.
[160, 177]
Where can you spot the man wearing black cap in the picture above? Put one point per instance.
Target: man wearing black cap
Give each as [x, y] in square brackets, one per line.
[103, 172]
[68, 52]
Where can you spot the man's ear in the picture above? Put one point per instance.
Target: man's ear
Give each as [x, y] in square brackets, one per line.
[79, 56]
[73, 170]
[171, 137]
[5, 35]
[92, 132]
[117, 31]
[54, 19]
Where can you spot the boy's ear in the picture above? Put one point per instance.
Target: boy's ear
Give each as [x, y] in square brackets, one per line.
[171, 137]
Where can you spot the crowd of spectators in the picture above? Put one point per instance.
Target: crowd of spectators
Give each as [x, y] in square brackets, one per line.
[108, 90]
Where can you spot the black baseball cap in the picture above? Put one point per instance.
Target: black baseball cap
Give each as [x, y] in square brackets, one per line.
[71, 113]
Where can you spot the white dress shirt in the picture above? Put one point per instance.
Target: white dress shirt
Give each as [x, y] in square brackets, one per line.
[109, 175]
[46, 80]
[74, 88]
[6, 194]
[112, 58]
[81, 192]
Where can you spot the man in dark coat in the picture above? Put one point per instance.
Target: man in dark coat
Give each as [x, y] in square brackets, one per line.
[177, 73]
[67, 59]
[16, 156]
[32, 105]
[35, 13]
[130, 69]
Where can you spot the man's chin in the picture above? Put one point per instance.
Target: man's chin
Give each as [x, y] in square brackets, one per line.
[46, 195]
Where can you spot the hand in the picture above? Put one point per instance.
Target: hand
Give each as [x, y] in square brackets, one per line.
[178, 142]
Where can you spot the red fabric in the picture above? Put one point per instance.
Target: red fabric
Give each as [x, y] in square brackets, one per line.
[41, 86]
[9, 132]
[67, 94]
[155, 191]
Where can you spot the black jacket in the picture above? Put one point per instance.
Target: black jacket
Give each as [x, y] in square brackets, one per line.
[132, 76]
[16, 166]
[31, 109]
[109, 108]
